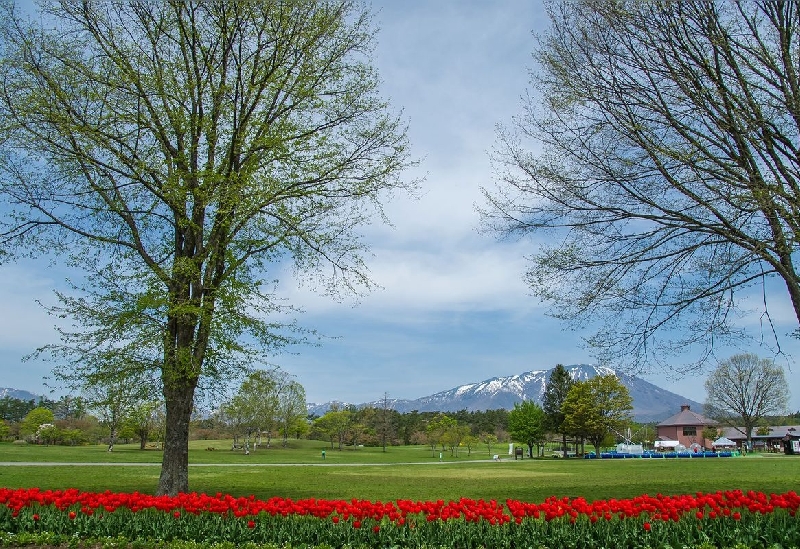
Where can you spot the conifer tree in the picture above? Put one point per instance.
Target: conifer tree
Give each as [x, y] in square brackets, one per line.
[555, 392]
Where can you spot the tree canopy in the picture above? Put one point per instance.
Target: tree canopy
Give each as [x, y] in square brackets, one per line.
[35, 419]
[743, 390]
[597, 408]
[527, 423]
[657, 166]
[180, 154]
[254, 407]
[335, 425]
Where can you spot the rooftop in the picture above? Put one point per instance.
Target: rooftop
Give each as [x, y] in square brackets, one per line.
[687, 417]
[779, 431]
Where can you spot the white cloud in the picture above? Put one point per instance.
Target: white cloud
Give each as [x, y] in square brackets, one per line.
[454, 308]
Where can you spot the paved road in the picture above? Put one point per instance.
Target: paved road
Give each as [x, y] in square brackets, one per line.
[126, 464]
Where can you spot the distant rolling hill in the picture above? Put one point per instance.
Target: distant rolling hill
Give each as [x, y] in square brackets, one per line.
[650, 402]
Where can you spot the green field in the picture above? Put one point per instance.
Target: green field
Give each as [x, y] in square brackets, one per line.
[410, 472]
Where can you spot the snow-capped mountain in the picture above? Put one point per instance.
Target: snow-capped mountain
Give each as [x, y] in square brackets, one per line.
[650, 402]
[18, 394]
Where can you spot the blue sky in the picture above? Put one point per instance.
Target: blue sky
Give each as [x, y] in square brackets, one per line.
[453, 308]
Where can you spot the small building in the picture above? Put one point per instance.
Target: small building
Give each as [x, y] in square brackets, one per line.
[685, 427]
[769, 439]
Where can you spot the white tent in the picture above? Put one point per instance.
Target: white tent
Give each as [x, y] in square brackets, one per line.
[723, 442]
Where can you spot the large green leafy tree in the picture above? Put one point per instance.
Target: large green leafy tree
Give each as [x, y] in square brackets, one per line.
[179, 150]
[555, 392]
[745, 389]
[437, 429]
[238, 417]
[255, 408]
[113, 398]
[335, 424]
[291, 406]
[34, 419]
[667, 162]
[143, 419]
[598, 408]
[527, 423]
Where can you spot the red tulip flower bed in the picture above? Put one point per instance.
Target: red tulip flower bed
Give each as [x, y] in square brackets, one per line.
[721, 519]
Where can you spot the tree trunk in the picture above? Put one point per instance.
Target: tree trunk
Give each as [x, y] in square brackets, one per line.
[112, 438]
[143, 440]
[175, 463]
[749, 425]
[185, 340]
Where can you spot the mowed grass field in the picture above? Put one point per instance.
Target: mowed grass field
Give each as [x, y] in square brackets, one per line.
[410, 472]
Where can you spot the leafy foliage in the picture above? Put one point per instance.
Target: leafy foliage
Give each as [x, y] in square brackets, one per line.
[597, 408]
[527, 423]
[35, 419]
[267, 402]
[178, 153]
[15, 409]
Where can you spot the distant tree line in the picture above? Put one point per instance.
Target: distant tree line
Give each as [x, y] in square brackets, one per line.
[596, 410]
[268, 404]
[377, 426]
[271, 404]
[74, 420]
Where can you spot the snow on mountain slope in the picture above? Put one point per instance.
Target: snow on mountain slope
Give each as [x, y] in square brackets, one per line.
[18, 394]
[650, 402]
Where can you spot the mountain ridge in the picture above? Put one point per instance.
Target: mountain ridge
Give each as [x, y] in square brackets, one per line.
[19, 394]
[650, 402]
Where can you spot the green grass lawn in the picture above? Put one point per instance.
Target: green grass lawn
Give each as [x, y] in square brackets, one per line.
[296, 451]
[402, 472]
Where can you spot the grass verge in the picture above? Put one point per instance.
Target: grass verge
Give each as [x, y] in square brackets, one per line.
[299, 472]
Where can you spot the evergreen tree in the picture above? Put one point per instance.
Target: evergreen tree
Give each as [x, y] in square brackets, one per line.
[555, 392]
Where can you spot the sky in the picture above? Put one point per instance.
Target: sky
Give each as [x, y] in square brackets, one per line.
[453, 308]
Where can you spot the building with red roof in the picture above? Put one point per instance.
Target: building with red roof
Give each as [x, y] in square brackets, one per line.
[686, 427]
